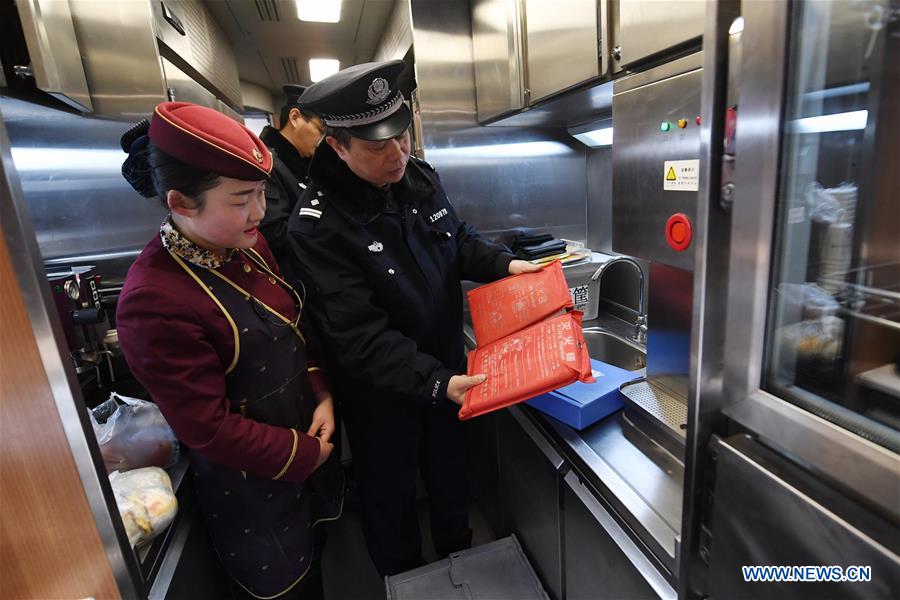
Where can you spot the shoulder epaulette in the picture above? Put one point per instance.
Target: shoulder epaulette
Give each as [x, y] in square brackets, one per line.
[311, 204]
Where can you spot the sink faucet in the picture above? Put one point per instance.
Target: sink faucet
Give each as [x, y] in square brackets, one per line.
[640, 324]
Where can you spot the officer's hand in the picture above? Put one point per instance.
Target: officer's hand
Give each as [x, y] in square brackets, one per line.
[325, 449]
[523, 266]
[460, 384]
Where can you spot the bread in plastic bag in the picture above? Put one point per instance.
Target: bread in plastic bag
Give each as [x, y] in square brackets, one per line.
[133, 434]
[146, 502]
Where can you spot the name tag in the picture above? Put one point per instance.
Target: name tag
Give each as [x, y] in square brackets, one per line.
[438, 215]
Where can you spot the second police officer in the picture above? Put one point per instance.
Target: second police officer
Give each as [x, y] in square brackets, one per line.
[379, 241]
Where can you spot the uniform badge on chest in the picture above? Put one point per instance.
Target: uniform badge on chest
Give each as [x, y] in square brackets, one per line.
[376, 247]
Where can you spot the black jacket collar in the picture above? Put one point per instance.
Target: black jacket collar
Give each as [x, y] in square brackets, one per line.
[285, 150]
[358, 199]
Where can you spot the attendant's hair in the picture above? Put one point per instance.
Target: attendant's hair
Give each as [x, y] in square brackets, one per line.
[152, 172]
[341, 134]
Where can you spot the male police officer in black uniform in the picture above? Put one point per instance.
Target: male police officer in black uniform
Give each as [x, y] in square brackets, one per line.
[377, 239]
[292, 147]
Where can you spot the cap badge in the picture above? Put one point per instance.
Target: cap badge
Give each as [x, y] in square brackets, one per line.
[376, 247]
[378, 91]
[257, 155]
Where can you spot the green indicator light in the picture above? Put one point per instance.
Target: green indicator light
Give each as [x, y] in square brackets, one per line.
[665, 126]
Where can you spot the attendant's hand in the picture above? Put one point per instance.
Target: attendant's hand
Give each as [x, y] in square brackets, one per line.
[322, 425]
[460, 384]
[523, 266]
[325, 449]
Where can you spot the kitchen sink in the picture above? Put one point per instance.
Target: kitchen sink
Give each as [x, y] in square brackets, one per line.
[606, 347]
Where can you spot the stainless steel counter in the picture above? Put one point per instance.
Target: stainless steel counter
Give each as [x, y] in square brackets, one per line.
[632, 476]
[637, 476]
[639, 479]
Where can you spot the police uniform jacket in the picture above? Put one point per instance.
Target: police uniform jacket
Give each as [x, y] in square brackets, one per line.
[385, 266]
[287, 181]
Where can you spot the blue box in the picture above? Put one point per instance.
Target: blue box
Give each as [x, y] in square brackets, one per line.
[583, 404]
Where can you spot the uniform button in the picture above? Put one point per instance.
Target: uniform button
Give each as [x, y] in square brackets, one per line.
[390, 271]
[272, 280]
[415, 212]
[247, 268]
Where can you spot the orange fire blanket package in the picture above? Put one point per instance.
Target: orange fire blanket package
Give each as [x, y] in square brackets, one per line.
[512, 303]
[532, 361]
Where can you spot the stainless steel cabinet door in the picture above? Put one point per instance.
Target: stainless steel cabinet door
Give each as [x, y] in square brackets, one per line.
[596, 565]
[497, 51]
[529, 481]
[562, 41]
[647, 28]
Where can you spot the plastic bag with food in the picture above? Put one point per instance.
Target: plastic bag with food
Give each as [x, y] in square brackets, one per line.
[133, 435]
[146, 502]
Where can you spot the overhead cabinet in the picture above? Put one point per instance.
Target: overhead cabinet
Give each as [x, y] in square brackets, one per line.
[528, 50]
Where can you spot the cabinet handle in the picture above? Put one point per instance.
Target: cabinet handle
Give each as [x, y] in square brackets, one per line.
[634, 554]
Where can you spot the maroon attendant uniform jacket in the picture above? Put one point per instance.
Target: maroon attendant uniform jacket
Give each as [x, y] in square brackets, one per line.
[178, 344]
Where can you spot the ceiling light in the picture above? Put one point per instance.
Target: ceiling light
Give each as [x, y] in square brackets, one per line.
[320, 11]
[320, 68]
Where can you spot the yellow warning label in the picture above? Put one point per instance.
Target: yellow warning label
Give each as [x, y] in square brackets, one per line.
[670, 176]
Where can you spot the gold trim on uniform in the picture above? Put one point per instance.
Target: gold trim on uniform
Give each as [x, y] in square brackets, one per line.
[234, 329]
[291, 458]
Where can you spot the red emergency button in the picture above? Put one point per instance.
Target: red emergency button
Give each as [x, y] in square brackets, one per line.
[679, 231]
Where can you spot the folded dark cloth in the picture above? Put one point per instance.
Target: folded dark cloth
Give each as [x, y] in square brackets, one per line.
[523, 240]
[548, 248]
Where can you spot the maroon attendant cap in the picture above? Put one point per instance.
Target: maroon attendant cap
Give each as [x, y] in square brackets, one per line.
[207, 139]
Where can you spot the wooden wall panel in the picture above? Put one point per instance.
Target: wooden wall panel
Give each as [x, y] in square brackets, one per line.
[49, 545]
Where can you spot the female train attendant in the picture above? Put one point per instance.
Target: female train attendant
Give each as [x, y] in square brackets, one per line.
[212, 331]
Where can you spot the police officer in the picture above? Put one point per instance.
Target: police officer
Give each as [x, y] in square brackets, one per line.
[292, 147]
[377, 237]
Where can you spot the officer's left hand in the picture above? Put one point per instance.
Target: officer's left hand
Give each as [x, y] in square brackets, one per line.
[322, 425]
[523, 266]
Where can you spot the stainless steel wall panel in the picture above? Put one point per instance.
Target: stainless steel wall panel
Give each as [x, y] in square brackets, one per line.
[599, 199]
[497, 177]
[648, 28]
[561, 41]
[78, 201]
[641, 205]
[497, 46]
[669, 328]
[53, 49]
